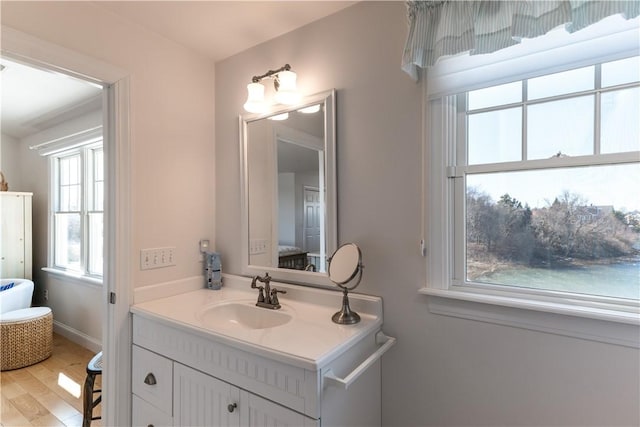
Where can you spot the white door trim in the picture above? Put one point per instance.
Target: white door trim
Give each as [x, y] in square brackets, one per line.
[116, 330]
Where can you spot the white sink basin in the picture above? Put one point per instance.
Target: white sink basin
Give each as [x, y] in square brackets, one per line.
[241, 315]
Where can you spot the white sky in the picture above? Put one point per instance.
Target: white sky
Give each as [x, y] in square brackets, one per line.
[603, 185]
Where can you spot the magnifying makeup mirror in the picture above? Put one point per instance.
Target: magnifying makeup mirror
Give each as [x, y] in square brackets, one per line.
[344, 266]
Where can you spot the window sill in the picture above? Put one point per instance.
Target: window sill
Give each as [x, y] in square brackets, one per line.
[596, 324]
[74, 277]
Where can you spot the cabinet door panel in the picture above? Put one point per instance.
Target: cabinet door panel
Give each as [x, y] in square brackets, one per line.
[144, 415]
[12, 244]
[259, 412]
[201, 400]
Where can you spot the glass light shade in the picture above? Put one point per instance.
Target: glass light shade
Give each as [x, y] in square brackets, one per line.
[255, 101]
[287, 92]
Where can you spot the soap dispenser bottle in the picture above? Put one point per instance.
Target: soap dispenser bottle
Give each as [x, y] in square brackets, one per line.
[213, 271]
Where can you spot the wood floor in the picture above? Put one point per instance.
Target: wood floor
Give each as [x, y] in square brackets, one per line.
[47, 393]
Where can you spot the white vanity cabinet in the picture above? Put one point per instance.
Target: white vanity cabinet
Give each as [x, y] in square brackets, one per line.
[213, 383]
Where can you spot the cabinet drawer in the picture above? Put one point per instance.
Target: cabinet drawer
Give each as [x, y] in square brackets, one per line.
[146, 415]
[152, 379]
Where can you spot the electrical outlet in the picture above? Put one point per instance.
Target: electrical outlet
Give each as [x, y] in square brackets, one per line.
[157, 258]
[46, 294]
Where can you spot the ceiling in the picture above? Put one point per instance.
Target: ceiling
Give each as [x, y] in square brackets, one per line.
[219, 29]
[33, 100]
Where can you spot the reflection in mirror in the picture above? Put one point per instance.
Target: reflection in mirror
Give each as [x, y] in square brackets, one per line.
[289, 184]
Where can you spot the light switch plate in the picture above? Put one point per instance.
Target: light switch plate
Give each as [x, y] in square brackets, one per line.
[157, 258]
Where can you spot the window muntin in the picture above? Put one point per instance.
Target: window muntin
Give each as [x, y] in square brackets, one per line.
[77, 216]
[581, 165]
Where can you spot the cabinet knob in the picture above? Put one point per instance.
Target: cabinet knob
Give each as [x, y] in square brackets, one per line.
[150, 379]
[150, 425]
[232, 407]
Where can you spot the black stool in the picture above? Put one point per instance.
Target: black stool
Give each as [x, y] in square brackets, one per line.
[94, 368]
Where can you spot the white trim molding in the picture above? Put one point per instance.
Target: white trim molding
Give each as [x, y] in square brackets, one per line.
[599, 325]
[77, 337]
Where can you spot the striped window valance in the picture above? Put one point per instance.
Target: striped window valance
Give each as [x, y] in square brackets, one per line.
[448, 27]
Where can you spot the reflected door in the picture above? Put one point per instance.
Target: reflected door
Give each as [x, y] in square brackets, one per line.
[311, 227]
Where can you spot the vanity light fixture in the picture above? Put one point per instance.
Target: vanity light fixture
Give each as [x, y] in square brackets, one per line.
[284, 81]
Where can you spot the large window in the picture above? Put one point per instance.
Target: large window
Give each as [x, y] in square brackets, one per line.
[532, 167]
[77, 216]
[547, 173]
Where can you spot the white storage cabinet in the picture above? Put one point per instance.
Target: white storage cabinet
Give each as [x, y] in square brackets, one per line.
[185, 379]
[15, 235]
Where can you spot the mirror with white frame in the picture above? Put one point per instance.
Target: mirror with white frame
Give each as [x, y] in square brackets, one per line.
[289, 190]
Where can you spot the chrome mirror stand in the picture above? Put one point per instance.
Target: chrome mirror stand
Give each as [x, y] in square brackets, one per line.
[345, 316]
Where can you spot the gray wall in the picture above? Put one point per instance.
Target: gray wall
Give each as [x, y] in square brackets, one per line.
[10, 162]
[443, 370]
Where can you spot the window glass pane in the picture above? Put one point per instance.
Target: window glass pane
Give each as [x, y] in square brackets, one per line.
[496, 95]
[67, 241]
[573, 229]
[64, 199]
[495, 136]
[74, 170]
[63, 171]
[95, 243]
[561, 83]
[74, 197]
[621, 72]
[98, 180]
[98, 165]
[98, 195]
[620, 128]
[564, 127]
[69, 170]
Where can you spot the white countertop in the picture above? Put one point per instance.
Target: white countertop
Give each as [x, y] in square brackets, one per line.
[310, 339]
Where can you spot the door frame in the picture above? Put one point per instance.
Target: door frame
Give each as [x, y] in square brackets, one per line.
[116, 324]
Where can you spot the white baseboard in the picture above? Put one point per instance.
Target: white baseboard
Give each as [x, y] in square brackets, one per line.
[77, 337]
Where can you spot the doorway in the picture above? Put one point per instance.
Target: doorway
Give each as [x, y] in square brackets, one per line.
[52, 147]
[115, 292]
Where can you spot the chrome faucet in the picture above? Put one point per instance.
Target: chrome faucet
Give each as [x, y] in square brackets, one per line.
[267, 296]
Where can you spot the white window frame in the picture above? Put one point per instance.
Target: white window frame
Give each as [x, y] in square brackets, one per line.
[599, 319]
[86, 153]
